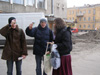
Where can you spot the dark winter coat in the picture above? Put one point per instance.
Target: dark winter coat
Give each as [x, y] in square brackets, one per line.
[15, 45]
[63, 41]
[42, 36]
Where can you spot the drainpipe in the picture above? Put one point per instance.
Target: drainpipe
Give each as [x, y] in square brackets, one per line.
[25, 3]
[11, 9]
[45, 4]
[36, 2]
[52, 6]
[11, 1]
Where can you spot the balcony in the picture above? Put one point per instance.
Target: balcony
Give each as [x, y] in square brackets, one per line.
[80, 15]
[69, 21]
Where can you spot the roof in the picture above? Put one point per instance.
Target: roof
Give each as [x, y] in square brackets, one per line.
[85, 6]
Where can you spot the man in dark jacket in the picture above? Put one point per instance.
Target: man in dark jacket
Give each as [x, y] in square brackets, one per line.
[42, 35]
[15, 46]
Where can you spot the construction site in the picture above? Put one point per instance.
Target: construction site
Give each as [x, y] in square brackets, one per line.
[86, 53]
[87, 37]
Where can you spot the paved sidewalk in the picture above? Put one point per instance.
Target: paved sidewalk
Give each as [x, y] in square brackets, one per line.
[28, 66]
[84, 62]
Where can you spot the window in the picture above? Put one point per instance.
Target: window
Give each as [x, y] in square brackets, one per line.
[93, 26]
[73, 18]
[30, 2]
[5, 0]
[84, 26]
[93, 18]
[84, 11]
[94, 11]
[80, 11]
[72, 12]
[18, 1]
[84, 19]
[76, 13]
[79, 26]
[89, 11]
[88, 26]
[63, 6]
[70, 18]
[88, 18]
[41, 3]
[58, 5]
[79, 19]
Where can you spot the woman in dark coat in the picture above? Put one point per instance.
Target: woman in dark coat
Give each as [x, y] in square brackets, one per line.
[42, 35]
[64, 46]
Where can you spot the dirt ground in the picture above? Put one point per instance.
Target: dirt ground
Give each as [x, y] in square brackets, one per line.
[85, 60]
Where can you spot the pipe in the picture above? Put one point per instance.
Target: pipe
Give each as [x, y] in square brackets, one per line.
[52, 7]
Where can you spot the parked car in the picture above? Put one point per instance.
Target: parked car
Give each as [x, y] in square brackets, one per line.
[74, 30]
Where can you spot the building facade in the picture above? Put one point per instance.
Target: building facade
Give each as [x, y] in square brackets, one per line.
[87, 17]
[51, 8]
[56, 8]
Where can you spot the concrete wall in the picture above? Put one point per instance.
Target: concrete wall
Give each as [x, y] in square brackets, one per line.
[6, 7]
[59, 11]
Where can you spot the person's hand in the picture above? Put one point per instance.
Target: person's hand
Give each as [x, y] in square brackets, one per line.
[50, 43]
[48, 52]
[31, 25]
[23, 56]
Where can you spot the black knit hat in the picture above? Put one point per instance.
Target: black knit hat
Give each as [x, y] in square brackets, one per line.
[10, 19]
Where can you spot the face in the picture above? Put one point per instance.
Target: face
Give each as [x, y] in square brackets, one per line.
[43, 24]
[13, 24]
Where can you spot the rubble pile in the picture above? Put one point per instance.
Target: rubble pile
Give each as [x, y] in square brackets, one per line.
[90, 35]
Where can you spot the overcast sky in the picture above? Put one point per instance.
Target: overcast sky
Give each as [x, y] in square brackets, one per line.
[71, 3]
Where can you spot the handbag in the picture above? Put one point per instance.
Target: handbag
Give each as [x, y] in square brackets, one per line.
[55, 57]
[47, 64]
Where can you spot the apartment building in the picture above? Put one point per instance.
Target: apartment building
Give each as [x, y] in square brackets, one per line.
[86, 17]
